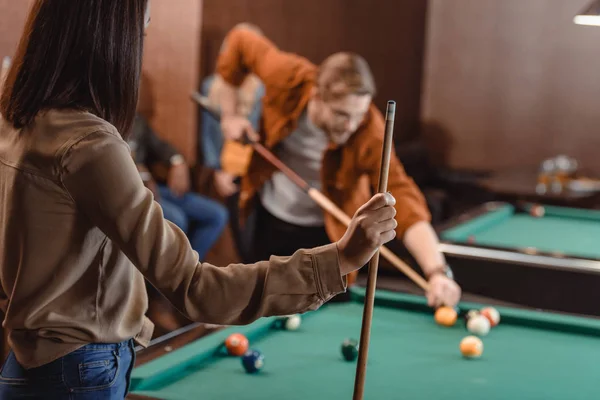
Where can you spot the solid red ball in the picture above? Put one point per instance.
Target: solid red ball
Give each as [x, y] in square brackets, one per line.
[236, 344]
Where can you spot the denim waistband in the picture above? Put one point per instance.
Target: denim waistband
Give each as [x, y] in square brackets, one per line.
[106, 346]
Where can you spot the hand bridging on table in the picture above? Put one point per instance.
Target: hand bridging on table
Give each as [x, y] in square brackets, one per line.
[443, 291]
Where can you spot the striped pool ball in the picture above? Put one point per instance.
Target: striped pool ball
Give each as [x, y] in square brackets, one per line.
[492, 315]
[471, 347]
[537, 211]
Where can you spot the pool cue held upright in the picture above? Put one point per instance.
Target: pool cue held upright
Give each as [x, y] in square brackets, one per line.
[365, 333]
[322, 200]
[6, 62]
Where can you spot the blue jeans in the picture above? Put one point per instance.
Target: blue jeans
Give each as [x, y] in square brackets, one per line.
[201, 218]
[93, 372]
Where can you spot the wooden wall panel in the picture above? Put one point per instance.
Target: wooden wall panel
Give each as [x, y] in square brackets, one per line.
[12, 19]
[388, 33]
[510, 82]
[171, 65]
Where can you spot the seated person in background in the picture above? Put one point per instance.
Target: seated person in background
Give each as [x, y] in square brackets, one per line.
[322, 124]
[201, 218]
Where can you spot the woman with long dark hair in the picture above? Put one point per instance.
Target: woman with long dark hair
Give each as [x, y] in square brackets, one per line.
[79, 232]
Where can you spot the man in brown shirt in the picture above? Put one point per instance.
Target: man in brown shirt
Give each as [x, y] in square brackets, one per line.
[321, 122]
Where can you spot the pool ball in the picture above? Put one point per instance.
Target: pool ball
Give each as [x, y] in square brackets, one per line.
[236, 344]
[537, 211]
[289, 322]
[446, 316]
[350, 349]
[478, 325]
[471, 239]
[253, 361]
[470, 314]
[492, 315]
[292, 322]
[471, 347]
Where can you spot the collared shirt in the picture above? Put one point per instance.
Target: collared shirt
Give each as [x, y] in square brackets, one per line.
[303, 152]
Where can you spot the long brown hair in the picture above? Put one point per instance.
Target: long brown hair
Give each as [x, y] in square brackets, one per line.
[73, 54]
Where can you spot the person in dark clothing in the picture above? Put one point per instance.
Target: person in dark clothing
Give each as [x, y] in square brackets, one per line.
[201, 218]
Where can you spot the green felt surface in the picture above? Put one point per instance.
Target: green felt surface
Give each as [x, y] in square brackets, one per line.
[572, 232]
[529, 356]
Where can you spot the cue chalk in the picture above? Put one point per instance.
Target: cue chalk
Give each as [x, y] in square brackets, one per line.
[363, 350]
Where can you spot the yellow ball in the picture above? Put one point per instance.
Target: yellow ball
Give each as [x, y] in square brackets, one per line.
[446, 316]
[471, 347]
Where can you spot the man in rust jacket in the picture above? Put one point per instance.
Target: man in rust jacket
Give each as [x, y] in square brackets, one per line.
[320, 121]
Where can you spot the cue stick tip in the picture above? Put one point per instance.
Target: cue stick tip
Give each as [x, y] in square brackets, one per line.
[391, 110]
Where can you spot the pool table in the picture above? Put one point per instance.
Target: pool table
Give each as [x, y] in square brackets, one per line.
[531, 354]
[552, 262]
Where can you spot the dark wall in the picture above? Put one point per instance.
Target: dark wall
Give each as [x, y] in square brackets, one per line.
[510, 82]
[388, 33]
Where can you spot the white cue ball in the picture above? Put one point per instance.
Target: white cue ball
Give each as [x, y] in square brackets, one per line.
[479, 325]
[292, 322]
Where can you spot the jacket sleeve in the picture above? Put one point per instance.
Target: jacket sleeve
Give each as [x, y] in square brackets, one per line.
[102, 180]
[411, 206]
[245, 51]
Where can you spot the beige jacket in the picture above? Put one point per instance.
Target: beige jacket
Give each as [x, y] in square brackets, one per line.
[79, 232]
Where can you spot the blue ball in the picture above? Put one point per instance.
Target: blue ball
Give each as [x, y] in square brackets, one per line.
[253, 361]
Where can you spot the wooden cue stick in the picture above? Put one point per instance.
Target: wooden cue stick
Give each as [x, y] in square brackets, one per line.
[322, 200]
[365, 333]
[6, 62]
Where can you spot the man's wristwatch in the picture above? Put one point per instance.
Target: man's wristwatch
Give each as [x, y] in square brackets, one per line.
[444, 270]
[177, 159]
